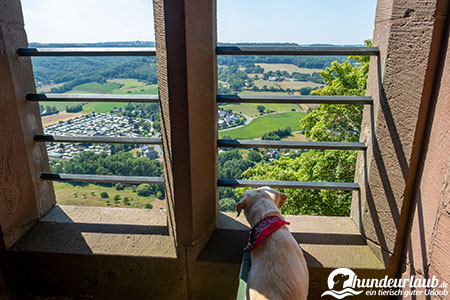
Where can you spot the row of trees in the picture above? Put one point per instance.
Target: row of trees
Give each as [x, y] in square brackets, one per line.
[318, 62]
[48, 110]
[120, 163]
[282, 75]
[278, 134]
[74, 109]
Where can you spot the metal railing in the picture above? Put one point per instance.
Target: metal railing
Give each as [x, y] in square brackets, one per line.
[92, 98]
[118, 51]
[311, 99]
[221, 50]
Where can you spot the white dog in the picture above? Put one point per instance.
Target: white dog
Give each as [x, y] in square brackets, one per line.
[278, 268]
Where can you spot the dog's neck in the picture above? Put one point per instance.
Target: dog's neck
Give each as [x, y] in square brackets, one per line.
[256, 214]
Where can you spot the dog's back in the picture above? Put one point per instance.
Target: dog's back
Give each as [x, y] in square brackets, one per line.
[278, 269]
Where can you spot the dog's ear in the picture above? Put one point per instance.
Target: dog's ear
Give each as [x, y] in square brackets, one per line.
[283, 198]
[240, 206]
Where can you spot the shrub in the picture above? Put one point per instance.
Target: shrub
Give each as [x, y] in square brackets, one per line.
[119, 186]
[227, 204]
[104, 195]
[144, 189]
[116, 197]
[126, 201]
[148, 206]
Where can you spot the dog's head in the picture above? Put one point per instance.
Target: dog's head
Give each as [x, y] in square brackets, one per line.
[264, 198]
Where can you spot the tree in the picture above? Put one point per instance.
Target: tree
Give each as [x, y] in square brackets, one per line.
[119, 186]
[227, 204]
[261, 109]
[144, 190]
[325, 123]
[104, 195]
[126, 201]
[254, 156]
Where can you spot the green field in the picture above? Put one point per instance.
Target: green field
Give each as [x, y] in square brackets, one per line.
[102, 107]
[94, 87]
[61, 106]
[250, 109]
[89, 195]
[133, 86]
[264, 124]
[112, 86]
[116, 86]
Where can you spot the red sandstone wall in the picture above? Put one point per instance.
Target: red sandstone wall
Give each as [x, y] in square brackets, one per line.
[429, 246]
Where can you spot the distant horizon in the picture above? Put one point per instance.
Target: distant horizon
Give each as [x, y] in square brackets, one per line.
[304, 22]
[142, 42]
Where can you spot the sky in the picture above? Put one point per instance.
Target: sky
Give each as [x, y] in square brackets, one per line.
[297, 21]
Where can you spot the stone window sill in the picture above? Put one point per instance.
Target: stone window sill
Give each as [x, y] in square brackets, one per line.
[327, 242]
[100, 231]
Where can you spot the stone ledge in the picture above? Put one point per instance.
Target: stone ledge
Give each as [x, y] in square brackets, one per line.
[328, 242]
[100, 231]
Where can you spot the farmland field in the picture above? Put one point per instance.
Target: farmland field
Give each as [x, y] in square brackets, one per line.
[295, 136]
[133, 86]
[89, 195]
[61, 116]
[94, 87]
[61, 106]
[48, 87]
[261, 125]
[286, 67]
[287, 84]
[250, 109]
[102, 107]
[113, 86]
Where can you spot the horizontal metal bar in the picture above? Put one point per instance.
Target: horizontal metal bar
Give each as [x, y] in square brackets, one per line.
[338, 186]
[102, 178]
[310, 99]
[92, 98]
[317, 51]
[117, 51]
[291, 144]
[97, 139]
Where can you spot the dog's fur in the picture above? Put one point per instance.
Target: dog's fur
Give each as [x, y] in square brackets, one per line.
[278, 267]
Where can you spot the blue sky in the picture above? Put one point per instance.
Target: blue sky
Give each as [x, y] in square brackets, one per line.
[299, 21]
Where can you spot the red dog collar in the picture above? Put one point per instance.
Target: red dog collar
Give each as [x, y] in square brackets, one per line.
[263, 229]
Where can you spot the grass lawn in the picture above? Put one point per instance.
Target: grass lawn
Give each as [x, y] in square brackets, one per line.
[249, 109]
[295, 136]
[94, 87]
[133, 86]
[89, 195]
[102, 107]
[261, 125]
